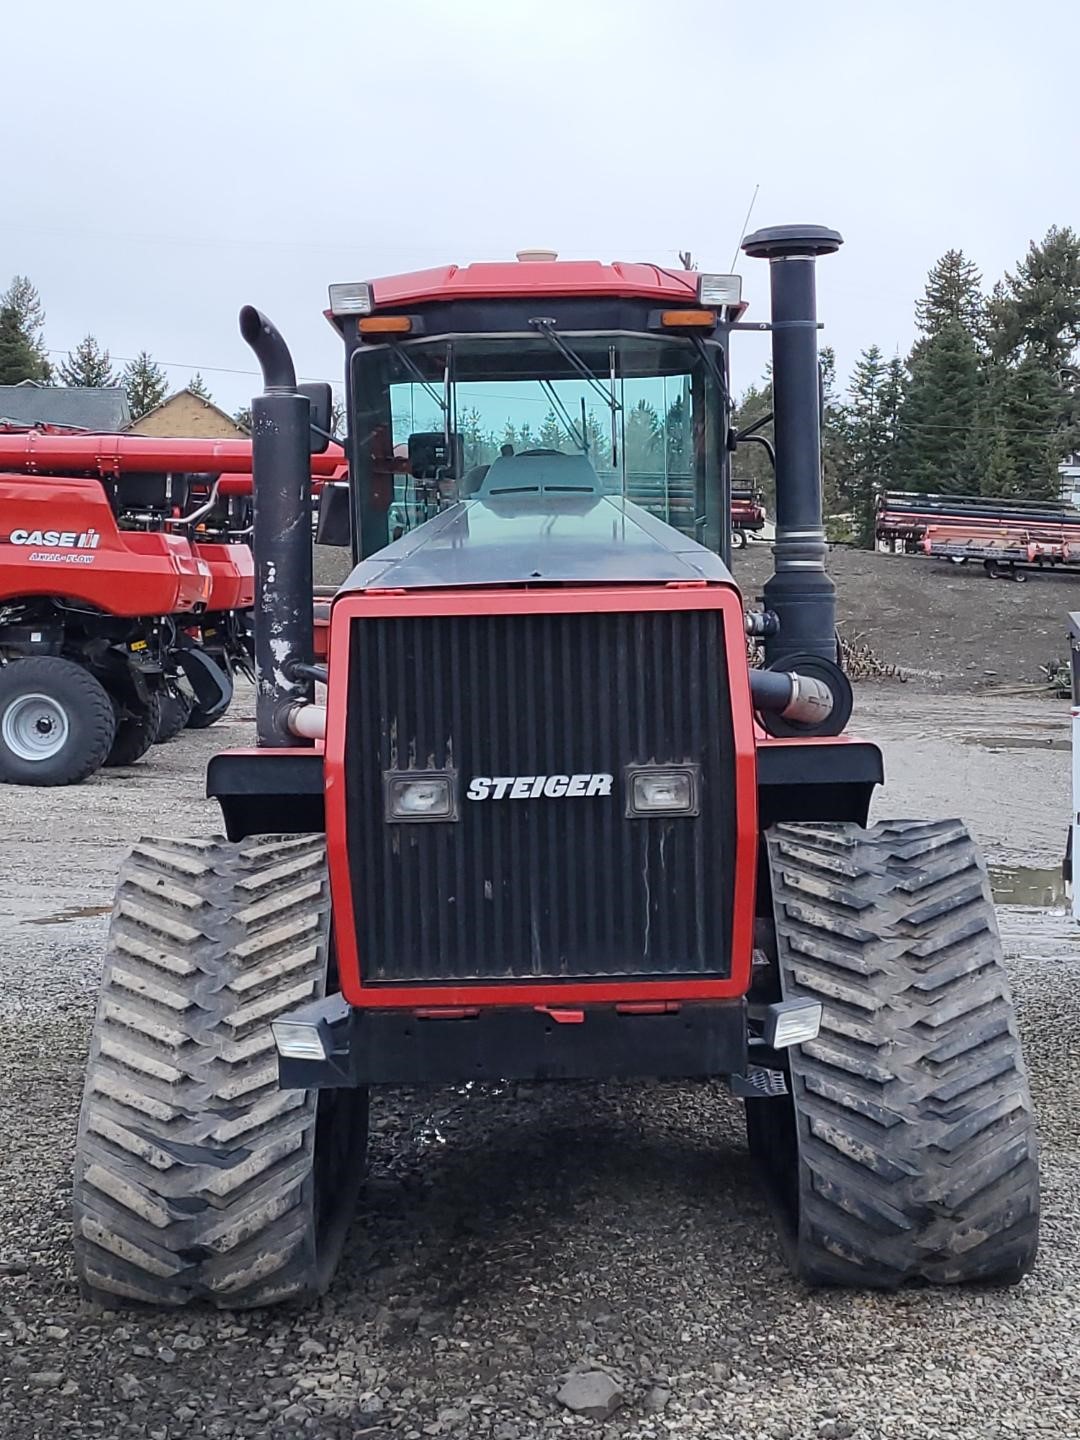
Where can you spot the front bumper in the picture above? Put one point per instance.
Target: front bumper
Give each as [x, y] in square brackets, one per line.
[399, 1047]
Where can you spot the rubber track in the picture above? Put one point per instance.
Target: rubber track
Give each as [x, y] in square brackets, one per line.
[194, 1172]
[916, 1142]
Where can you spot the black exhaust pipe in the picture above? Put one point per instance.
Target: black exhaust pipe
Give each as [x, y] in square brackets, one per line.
[799, 591]
[284, 585]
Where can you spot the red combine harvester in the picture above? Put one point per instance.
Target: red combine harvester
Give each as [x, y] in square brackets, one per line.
[123, 566]
[548, 824]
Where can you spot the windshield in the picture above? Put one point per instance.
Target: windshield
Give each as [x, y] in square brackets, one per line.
[633, 415]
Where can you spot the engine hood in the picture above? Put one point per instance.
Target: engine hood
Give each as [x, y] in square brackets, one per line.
[521, 540]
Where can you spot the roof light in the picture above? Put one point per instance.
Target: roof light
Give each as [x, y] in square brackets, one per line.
[677, 319]
[537, 255]
[720, 289]
[385, 325]
[355, 299]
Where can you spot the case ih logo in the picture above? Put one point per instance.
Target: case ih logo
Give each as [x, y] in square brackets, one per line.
[531, 787]
[57, 539]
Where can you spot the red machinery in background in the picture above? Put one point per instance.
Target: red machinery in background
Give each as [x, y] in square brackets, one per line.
[747, 514]
[1008, 536]
[126, 588]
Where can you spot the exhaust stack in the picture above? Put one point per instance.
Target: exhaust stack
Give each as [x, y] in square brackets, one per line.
[281, 467]
[799, 592]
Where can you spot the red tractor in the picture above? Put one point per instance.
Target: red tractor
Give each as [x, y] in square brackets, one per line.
[548, 824]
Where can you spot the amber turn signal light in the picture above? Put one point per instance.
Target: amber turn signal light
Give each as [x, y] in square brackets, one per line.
[680, 319]
[385, 324]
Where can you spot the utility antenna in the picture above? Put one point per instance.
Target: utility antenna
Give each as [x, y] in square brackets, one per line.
[745, 223]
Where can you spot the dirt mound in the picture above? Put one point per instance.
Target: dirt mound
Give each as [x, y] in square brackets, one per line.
[949, 626]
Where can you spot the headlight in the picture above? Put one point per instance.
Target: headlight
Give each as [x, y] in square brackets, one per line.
[298, 1040]
[719, 289]
[662, 790]
[413, 795]
[792, 1022]
[356, 299]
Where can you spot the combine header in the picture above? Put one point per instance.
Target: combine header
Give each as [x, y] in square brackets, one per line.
[1007, 536]
[548, 824]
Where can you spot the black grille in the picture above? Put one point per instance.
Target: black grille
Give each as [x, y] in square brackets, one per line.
[554, 888]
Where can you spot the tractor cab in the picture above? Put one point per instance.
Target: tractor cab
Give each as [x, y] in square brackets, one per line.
[538, 378]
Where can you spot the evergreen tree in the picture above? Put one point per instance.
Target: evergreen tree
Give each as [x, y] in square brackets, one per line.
[197, 385]
[835, 457]
[641, 438]
[145, 382]
[1037, 310]
[678, 436]
[939, 418]
[22, 298]
[598, 438]
[17, 359]
[953, 295]
[750, 463]
[1025, 444]
[88, 365]
[998, 471]
[1036, 316]
[478, 447]
[553, 436]
[243, 417]
[870, 447]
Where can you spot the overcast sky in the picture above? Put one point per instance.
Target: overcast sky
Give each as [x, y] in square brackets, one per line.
[168, 163]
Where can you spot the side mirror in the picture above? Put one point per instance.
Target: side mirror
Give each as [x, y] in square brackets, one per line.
[321, 399]
[430, 458]
[334, 525]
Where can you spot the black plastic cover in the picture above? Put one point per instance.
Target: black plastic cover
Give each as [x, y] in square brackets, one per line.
[521, 539]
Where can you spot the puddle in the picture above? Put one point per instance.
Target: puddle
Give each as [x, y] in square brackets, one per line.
[1018, 742]
[1019, 885]
[73, 912]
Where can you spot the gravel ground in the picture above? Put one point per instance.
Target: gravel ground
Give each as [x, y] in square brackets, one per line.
[514, 1236]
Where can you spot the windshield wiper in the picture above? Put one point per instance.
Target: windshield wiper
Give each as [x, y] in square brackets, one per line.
[546, 327]
[418, 375]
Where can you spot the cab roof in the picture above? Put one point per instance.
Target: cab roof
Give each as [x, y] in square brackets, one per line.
[501, 279]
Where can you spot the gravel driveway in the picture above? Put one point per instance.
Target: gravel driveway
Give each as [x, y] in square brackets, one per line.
[515, 1235]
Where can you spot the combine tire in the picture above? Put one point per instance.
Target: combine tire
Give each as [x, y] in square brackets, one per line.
[196, 1178]
[199, 720]
[906, 1149]
[135, 734]
[176, 708]
[56, 722]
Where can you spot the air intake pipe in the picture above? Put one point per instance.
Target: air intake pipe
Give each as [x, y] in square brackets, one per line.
[284, 586]
[799, 591]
